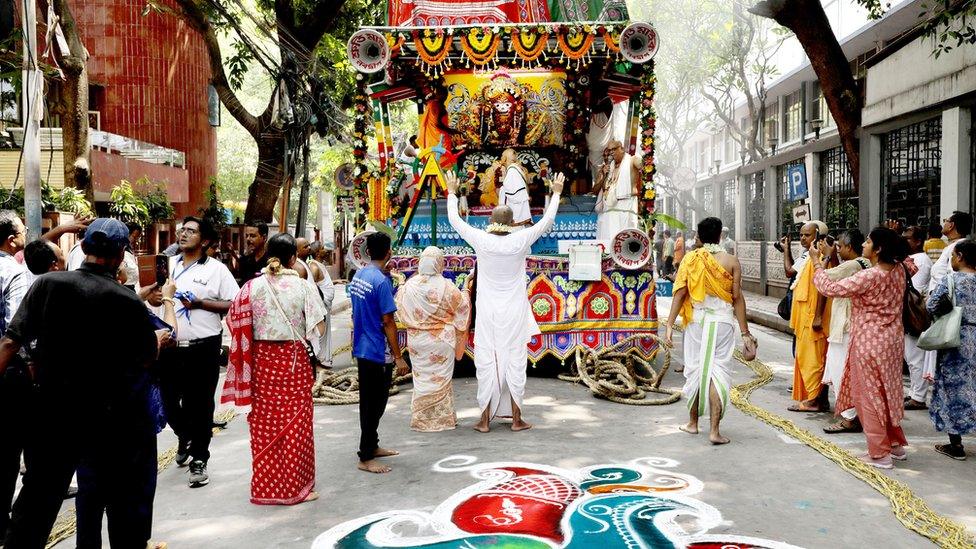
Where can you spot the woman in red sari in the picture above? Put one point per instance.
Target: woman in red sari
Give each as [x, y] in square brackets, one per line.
[271, 321]
[872, 381]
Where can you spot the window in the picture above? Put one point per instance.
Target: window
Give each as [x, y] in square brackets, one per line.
[702, 166]
[770, 127]
[728, 205]
[757, 207]
[838, 198]
[819, 108]
[785, 204]
[730, 152]
[910, 173]
[705, 201]
[9, 101]
[792, 117]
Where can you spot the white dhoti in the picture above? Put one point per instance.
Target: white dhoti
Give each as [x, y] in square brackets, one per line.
[834, 369]
[708, 345]
[504, 323]
[617, 205]
[919, 362]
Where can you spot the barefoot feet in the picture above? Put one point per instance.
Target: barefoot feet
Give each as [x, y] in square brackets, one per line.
[383, 452]
[373, 466]
[482, 427]
[691, 428]
[312, 496]
[519, 425]
[717, 439]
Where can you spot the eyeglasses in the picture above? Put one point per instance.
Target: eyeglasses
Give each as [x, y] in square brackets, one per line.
[191, 231]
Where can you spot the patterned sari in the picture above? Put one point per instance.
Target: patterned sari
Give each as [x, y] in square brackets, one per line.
[435, 314]
[270, 373]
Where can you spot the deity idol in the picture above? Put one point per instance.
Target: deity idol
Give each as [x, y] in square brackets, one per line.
[502, 112]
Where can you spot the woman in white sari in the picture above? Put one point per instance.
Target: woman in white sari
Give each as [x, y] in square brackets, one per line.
[435, 314]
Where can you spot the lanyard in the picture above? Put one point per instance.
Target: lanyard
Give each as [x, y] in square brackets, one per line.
[195, 263]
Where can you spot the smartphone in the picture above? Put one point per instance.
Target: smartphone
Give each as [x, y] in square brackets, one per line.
[829, 240]
[162, 269]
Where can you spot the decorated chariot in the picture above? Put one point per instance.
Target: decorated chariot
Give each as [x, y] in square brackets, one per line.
[554, 81]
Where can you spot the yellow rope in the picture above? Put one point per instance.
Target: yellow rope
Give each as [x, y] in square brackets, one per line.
[66, 524]
[909, 509]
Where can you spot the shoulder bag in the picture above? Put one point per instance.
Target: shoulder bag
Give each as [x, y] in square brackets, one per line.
[294, 332]
[944, 332]
[785, 307]
[914, 316]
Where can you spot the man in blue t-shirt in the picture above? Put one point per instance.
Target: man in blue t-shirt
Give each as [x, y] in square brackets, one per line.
[374, 344]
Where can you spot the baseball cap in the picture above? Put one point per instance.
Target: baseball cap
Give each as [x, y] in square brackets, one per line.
[113, 229]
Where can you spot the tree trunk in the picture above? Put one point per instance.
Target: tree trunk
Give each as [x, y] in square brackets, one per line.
[807, 20]
[263, 193]
[74, 106]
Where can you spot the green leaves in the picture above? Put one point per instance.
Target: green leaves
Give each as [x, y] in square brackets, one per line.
[238, 64]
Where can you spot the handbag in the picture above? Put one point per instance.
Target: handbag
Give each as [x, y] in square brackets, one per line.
[944, 332]
[785, 307]
[298, 337]
[913, 314]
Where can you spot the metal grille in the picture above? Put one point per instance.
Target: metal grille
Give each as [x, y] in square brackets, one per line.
[757, 207]
[705, 201]
[838, 198]
[728, 205]
[911, 173]
[786, 206]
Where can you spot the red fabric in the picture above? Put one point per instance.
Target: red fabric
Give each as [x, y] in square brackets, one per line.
[237, 383]
[282, 444]
[429, 13]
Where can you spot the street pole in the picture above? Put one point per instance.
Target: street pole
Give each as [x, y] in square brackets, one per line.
[32, 83]
[302, 219]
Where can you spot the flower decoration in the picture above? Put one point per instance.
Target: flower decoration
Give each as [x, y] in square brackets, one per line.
[647, 120]
[529, 46]
[481, 47]
[433, 50]
[575, 46]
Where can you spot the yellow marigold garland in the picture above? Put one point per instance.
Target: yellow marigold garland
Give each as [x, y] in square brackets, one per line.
[481, 46]
[575, 45]
[529, 45]
[433, 49]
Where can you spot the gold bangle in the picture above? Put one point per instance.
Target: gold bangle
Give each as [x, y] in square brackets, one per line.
[170, 300]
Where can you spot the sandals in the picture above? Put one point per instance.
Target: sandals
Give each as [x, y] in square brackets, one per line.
[912, 404]
[840, 427]
[956, 452]
[796, 408]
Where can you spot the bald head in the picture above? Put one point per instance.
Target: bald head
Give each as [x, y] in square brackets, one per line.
[615, 149]
[502, 215]
[304, 251]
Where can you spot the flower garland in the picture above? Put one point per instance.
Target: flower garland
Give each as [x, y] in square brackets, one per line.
[647, 118]
[433, 49]
[396, 42]
[481, 45]
[529, 45]
[611, 40]
[360, 124]
[575, 44]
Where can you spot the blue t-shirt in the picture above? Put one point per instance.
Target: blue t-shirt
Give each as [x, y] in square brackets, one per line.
[371, 293]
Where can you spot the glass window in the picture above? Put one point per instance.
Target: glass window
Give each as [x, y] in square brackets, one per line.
[819, 108]
[793, 117]
[706, 201]
[911, 173]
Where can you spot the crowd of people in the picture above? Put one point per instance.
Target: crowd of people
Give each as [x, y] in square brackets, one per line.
[163, 367]
[848, 301]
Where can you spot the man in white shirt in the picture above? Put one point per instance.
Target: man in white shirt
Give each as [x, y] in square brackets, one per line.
[916, 358]
[189, 372]
[957, 226]
[504, 323]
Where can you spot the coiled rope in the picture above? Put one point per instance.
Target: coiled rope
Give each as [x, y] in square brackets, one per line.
[66, 524]
[620, 375]
[909, 509]
[342, 387]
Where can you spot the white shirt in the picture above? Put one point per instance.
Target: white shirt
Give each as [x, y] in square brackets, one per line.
[209, 280]
[515, 195]
[942, 267]
[920, 280]
[76, 258]
[325, 285]
[798, 267]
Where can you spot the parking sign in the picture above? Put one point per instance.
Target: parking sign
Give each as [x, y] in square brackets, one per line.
[796, 176]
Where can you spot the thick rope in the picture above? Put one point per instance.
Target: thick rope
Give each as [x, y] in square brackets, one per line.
[66, 524]
[622, 376]
[342, 387]
[909, 509]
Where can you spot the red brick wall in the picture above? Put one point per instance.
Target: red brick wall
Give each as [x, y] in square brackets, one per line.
[155, 71]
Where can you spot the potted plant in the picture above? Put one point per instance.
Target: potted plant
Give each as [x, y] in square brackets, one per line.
[127, 205]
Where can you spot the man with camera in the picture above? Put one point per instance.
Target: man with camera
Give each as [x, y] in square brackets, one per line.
[809, 315]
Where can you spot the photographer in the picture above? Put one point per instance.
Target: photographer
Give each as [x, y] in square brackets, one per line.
[808, 315]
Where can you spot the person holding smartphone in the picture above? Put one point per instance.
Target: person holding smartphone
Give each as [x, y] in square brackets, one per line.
[808, 316]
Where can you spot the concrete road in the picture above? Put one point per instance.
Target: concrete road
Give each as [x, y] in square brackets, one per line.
[764, 484]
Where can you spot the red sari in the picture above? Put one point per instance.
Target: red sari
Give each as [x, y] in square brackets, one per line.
[273, 381]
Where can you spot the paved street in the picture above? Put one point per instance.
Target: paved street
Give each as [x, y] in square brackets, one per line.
[764, 484]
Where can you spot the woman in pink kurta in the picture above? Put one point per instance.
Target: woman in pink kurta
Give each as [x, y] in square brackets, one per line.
[872, 380]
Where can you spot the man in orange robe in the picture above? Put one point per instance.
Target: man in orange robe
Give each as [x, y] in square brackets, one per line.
[809, 318]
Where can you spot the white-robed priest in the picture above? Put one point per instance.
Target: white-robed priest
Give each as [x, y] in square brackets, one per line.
[618, 185]
[504, 323]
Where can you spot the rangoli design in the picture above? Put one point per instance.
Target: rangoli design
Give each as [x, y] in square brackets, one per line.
[516, 505]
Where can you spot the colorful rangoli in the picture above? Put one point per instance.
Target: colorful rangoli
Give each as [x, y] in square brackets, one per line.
[527, 506]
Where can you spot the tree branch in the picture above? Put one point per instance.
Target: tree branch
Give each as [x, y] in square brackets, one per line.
[196, 18]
